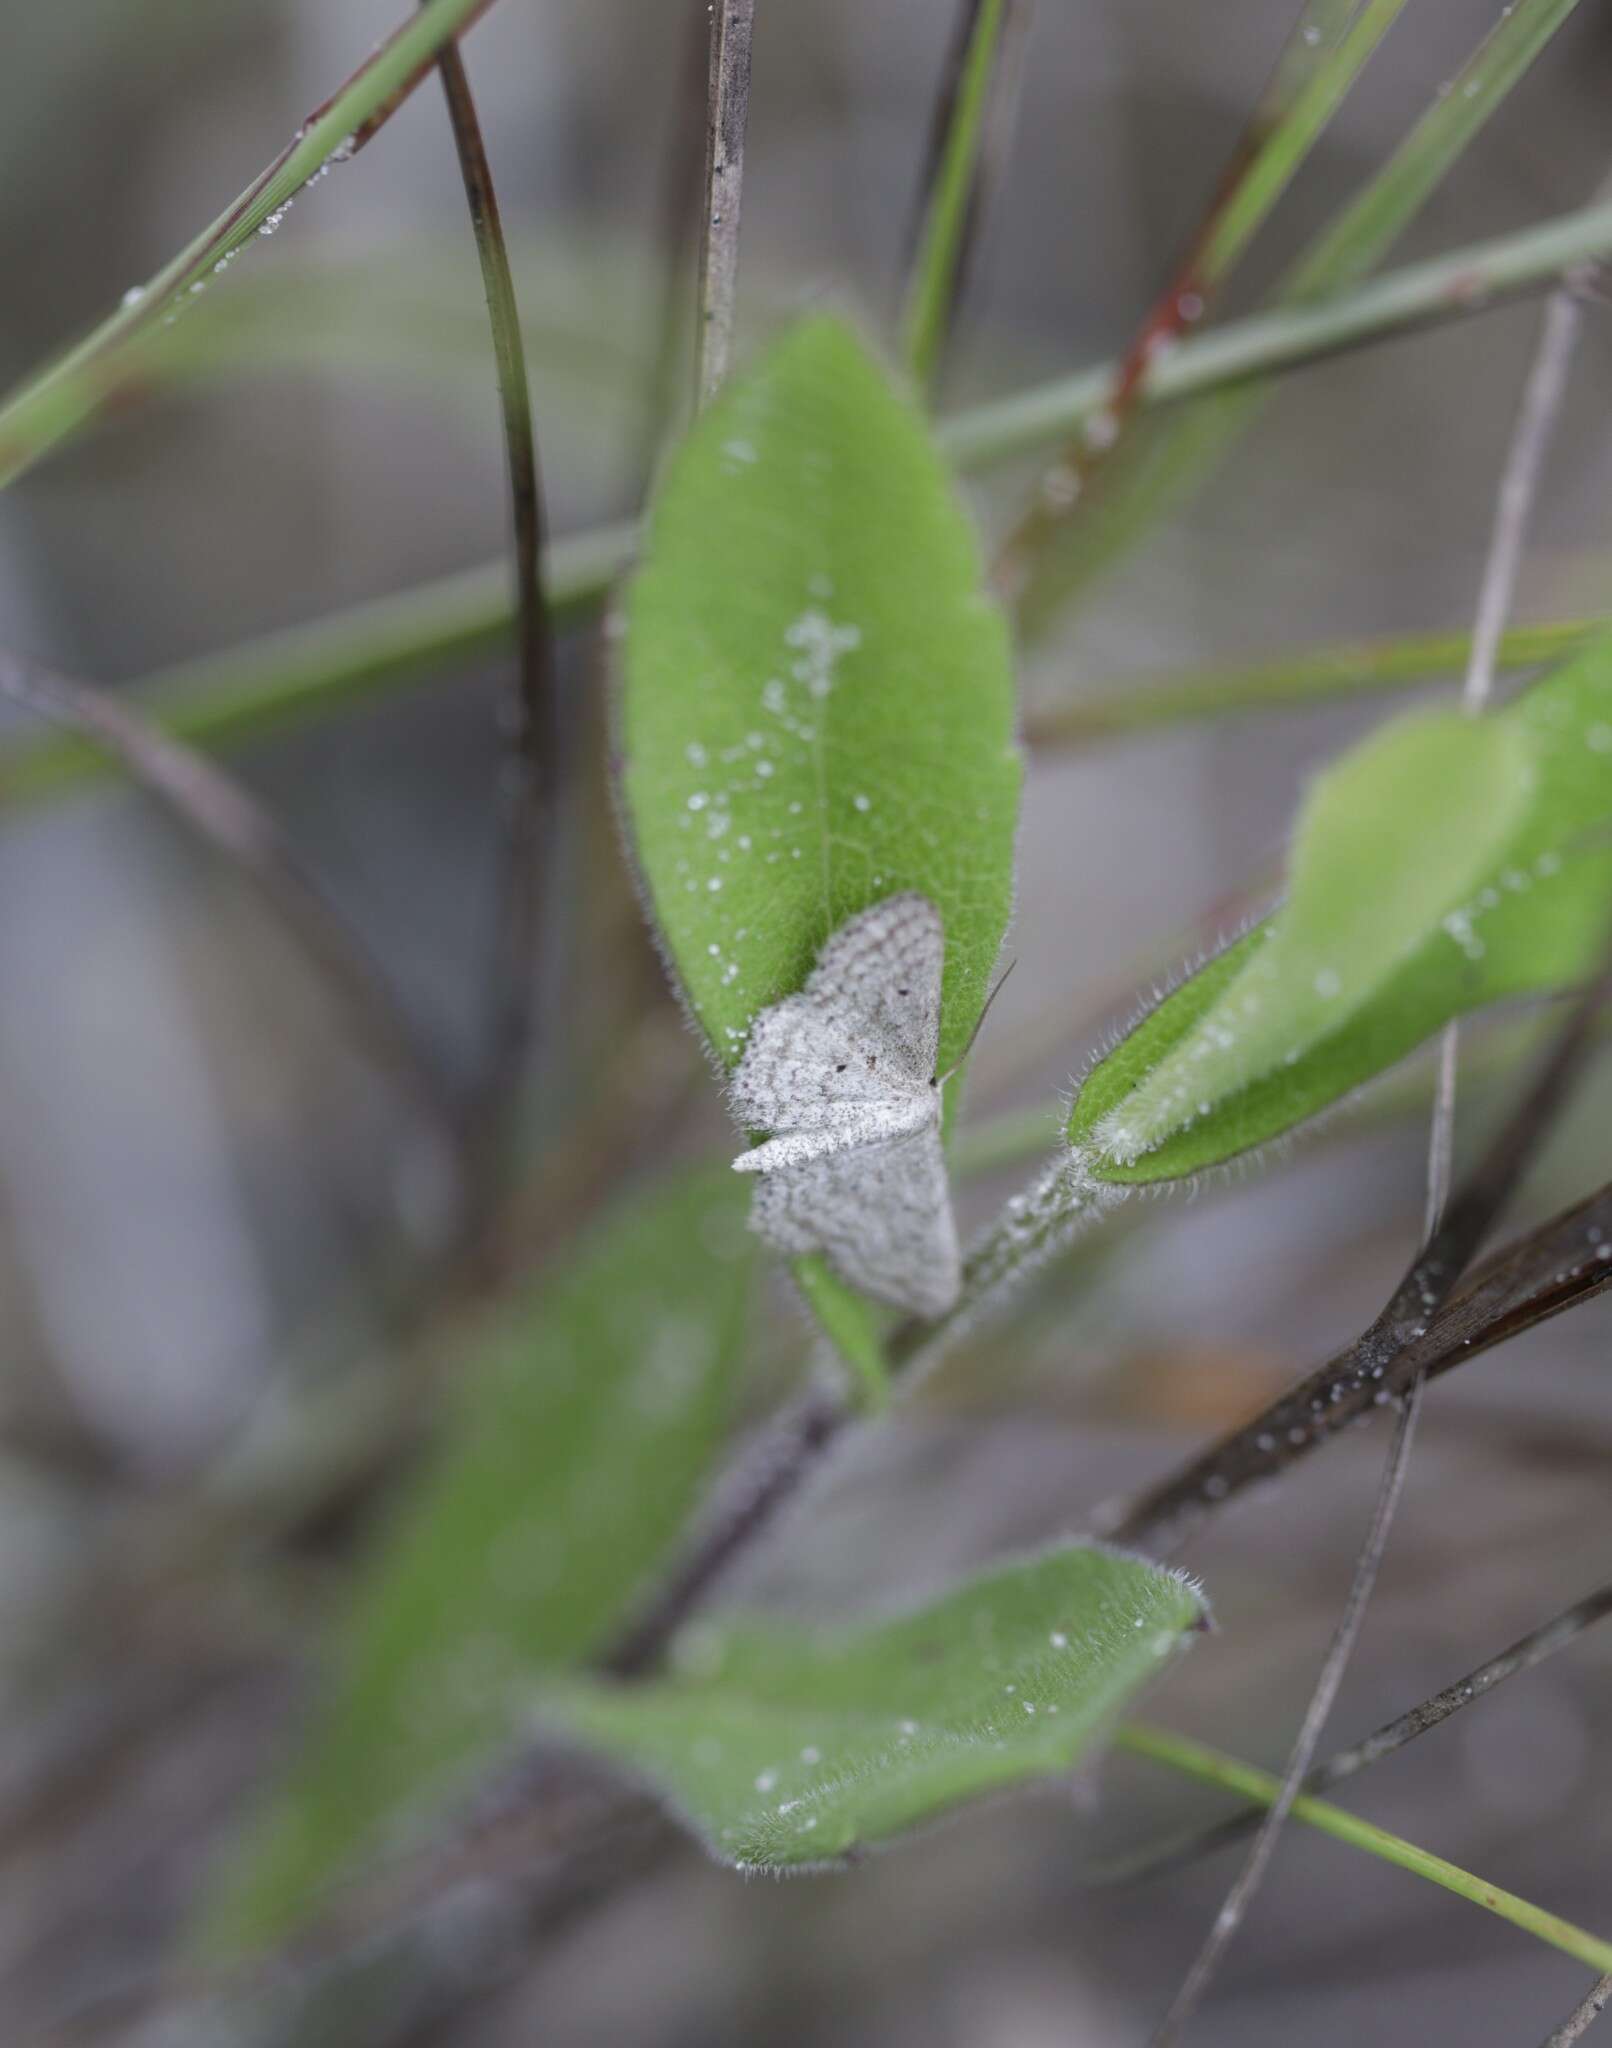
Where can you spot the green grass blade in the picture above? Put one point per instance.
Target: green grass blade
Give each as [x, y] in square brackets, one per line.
[388, 642]
[1155, 470]
[1197, 1760]
[1367, 228]
[1295, 134]
[1325, 51]
[1311, 676]
[929, 299]
[52, 404]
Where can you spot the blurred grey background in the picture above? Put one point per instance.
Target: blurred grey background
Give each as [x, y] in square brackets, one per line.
[195, 1163]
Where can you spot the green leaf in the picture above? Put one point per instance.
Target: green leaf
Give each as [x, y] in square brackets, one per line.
[1436, 871]
[817, 699]
[783, 1751]
[589, 1420]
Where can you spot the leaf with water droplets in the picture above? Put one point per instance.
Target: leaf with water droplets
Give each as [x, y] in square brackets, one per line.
[816, 706]
[816, 702]
[1446, 864]
[783, 1750]
[588, 1422]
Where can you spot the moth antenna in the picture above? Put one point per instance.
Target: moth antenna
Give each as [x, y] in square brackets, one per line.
[979, 1023]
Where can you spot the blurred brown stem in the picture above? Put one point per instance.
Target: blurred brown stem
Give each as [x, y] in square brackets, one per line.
[222, 812]
[536, 743]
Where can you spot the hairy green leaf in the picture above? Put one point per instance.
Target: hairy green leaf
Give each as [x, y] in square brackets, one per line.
[817, 700]
[1436, 871]
[588, 1423]
[782, 1750]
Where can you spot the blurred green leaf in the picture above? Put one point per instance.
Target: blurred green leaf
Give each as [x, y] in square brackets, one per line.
[1423, 888]
[817, 704]
[783, 1751]
[588, 1423]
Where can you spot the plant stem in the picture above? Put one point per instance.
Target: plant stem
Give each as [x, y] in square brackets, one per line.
[949, 182]
[219, 811]
[732, 24]
[1530, 1650]
[1287, 1791]
[1197, 1760]
[1382, 1362]
[1323, 56]
[1582, 2017]
[1146, 483]
[1310, 676]
[296, 674]
[536, 748]
[47, 407]
[1421, 293]
[301, 672]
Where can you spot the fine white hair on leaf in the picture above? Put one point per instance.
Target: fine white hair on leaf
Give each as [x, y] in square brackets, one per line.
[841, 1077]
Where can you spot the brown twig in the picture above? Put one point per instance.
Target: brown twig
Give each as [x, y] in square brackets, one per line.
[1381, 1363]
[1579, 2021]
[536, 747]
[219, 810]
[681, 185]
[728, 111]
[764, 1480]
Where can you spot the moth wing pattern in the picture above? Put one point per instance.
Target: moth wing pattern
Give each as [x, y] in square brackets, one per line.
[881, 974]
[882, 1215]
